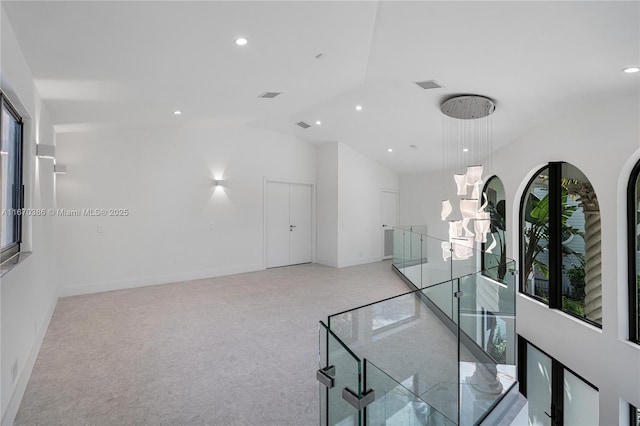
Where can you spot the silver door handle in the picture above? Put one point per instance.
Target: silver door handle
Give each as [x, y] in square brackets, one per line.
[292, 226]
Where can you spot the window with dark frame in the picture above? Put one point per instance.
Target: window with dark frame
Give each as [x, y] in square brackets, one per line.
[633, 238]
[12, 188]
[634, 416]
[556, 394]
[560, 242]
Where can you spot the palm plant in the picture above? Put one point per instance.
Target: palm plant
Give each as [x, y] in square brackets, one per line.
[536, 214]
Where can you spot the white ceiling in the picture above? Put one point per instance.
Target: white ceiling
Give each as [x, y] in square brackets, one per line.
[101, 64]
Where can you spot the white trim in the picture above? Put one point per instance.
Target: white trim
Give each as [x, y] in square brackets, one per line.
[325, 262]
[359, 261]
[24, 375]
[264, 215]
[100, 287]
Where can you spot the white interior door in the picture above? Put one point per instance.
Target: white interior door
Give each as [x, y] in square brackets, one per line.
[288, 224]
[389, 220]
[299, 224]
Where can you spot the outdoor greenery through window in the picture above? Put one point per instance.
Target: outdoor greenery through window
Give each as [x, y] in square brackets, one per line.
[634, 254]
[536, 237]
[495, 263]
[561, 242]
[11, 157]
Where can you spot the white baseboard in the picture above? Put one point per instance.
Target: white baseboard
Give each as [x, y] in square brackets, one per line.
[24, 375]
[358, 261]
[100, 287]
[331, 263]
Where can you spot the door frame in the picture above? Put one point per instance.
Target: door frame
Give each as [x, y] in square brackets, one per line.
[397, 192]
[268, 180]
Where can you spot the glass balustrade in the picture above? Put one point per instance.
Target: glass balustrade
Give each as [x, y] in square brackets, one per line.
[442, 354]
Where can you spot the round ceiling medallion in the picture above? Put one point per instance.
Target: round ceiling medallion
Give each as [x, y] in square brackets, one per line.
[468, 107]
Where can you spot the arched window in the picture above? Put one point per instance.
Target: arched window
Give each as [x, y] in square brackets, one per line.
[561, 242]
[495, 263]
[633, 225]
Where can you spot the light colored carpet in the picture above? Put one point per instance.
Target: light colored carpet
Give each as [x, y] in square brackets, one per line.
[237, 350]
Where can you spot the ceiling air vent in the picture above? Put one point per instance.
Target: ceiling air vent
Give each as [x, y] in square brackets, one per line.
[269, 95]
[303, 124]
[429, 84]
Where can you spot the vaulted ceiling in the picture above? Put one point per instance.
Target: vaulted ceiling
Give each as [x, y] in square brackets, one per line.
[132, 63]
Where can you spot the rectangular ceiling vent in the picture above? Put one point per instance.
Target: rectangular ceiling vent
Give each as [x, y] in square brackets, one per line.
[429, 84]
[269, 95]
[303, 124]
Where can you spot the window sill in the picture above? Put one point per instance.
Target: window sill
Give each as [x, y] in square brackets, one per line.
[13, 261]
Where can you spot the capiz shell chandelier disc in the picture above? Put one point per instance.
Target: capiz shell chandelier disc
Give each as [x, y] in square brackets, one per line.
[468, 107]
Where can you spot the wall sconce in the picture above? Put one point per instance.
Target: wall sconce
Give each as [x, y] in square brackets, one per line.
[45, 151]
[219, 182]
[59, 169]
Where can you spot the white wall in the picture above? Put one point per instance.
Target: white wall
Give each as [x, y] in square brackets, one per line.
[350, 205]
[360, 184]
[420, 198]
[28, 292]
[327, 197]
[164, 178]
[603, 142]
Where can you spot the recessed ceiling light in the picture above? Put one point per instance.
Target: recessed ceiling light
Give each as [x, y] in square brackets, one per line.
[465, 150]
[390, 150]
[318, 123]
[241, 41]
[177, 112]
[631, 70]
[358, 107]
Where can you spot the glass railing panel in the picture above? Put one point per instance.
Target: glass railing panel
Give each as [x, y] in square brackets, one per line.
[447, 348]
[398, 248]
[419, 257]
[416, 248]
[406, 241]
[466, 259]
[494, 265]
[406, 336]
[415, 257]
[442, 297]
[397, 403]
[437, 266]
[487, 340]
[347, 374]
[419, 229]
[323, 352]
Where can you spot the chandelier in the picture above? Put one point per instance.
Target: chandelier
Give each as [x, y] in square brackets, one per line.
[467, 144]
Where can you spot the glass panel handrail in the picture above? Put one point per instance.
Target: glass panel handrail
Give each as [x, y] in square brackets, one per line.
[418, 229]
[343, 369]
[338, 341]
[331, 327]
[446, 348]
[398, 403]
[405, 337]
